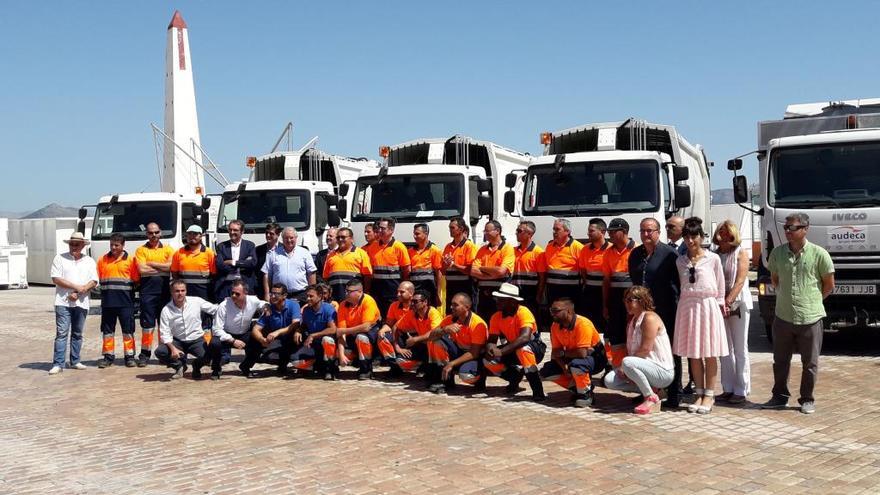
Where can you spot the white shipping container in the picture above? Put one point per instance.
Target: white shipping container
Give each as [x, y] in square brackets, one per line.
[44, 238]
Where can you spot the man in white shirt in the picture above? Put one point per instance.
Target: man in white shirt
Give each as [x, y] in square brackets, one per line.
[180, 331]
[232, 324]
[74, 275]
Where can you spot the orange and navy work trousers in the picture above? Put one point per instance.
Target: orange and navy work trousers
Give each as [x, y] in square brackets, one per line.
[576, 379]
[524, 357]
[125, 317]
[320, 356]
[151, 308]
[364, 346]
[389, 355]
[444, 350]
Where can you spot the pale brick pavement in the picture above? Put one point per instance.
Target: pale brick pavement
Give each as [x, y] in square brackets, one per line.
[132, 431]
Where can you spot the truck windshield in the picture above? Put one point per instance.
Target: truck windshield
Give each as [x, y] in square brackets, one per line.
[131, 219]
[411, 197]
[592, 188]
[288, 208]
[828, 175]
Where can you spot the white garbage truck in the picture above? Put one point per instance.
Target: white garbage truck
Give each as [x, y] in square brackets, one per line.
[296, 189]
[630, 169]
[433, 180]
[823, 159]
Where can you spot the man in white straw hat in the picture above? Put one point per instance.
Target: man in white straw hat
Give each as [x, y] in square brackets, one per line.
[522, 349]
[74, 275]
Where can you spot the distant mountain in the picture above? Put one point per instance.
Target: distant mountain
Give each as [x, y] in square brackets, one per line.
[722, 196]
[12, 214]
[53, 210]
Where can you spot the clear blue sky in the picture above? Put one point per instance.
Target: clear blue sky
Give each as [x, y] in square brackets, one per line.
[81, 81]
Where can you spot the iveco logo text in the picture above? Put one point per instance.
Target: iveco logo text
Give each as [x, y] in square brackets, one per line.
[850, 216]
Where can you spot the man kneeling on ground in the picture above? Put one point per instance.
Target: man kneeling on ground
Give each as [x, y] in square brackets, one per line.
[457, 345]
[273, 333]
[573, 339]
[316, 336]
[522, 349]
[180, 330]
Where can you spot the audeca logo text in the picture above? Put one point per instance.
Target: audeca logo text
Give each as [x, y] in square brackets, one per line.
[850, 216]
[849, 234]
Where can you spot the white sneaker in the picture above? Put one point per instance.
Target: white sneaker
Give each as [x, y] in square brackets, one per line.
[78, 366]
[55, 370]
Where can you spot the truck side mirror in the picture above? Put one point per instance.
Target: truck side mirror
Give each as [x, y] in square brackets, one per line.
[206, 202]
[203, 222]
[197, 210]
[333, 218]
[331, 199]
[510, 180]
[81, 226]
[484, 205]
[343, 189]
[735, 164]
[484, 185]
[680, 173]
[682, 196]
[741, 189]
[509, 201]
[342, 208]
[82, 213]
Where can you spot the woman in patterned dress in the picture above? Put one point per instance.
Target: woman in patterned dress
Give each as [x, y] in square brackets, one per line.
[699, 322]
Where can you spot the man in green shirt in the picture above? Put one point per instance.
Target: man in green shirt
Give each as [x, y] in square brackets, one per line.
[803, 276]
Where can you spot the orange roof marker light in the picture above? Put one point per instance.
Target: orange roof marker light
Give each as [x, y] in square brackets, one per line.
[546, 137]
[199, 190]
[384, 151]
[251, 161]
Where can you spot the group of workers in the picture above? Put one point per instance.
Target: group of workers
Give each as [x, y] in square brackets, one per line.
[381, 304]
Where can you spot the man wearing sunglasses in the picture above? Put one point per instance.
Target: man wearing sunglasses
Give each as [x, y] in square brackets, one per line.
[154, 265]
[803, 275]
[232, 324]
[273, 333]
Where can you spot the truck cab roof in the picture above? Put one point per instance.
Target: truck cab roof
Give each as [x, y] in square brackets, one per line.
[272, 185]
[600, 156]
[151, 196]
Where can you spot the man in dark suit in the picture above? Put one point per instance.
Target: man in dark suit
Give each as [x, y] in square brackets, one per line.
[653, 265]
[273, 232]
[236, 259]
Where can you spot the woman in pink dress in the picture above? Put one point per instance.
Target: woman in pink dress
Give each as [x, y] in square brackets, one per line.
[699, 322]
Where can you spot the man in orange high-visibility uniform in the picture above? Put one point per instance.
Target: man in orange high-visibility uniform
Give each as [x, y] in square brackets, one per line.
[522, 349]
[573, 339]
[397, 310]
[458, 344]
[346, 263]
[390, 261]
[194, 264]
[358, 328]
[561, 258]
[411, 332]
[591, 263]
[426, 264]
[154, 266]
[529, 266]
[492, 266]
[616, 282]
[117, 274]
[458, 257]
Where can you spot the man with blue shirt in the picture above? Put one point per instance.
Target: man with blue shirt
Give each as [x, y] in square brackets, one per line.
[273, 333]
[290, 265]
[316, 337]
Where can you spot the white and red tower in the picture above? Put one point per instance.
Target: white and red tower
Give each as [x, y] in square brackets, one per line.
[181, 173]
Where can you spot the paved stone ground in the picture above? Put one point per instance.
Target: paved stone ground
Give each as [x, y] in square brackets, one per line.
[133, 431]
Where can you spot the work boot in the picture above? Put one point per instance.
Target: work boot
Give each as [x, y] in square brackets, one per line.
[179, 370]
[105, 362]
[215, 375]
[129, 362]
[197, 373]
[394, 370]
[514, 377]
[142, 360]
[584, 400]
[536, 385]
